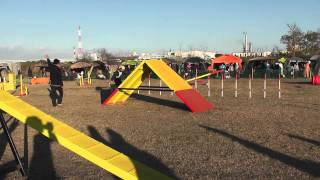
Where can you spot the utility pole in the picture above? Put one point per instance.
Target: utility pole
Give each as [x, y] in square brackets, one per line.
[245, 45]
[80, 51]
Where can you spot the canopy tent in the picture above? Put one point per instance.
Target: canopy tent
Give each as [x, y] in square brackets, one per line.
[296, 60]
[41, 64]
[262, 59]
[130, 62]
[4, 66]
[114, 61]
[98, 64]
[195, 60]
[80, 65]
[315, 57]
[169, 60]
[225, 59]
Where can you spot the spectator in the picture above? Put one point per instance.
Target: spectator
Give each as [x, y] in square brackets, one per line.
[117, 76]
[307, 70]
[29, 72]
[281, 69]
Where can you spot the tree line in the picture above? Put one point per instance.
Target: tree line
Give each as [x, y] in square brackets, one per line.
[299, 43]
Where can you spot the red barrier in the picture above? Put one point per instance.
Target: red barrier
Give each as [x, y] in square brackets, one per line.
[316, 80]
[43, 80]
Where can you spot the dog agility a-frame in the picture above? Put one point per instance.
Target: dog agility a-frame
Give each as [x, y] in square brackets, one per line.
[194, 101]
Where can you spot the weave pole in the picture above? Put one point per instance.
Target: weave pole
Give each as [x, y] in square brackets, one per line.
[265, 86]
[293, 73]
[149, 83]
[310, 74]
[251, 73]
[21, 85]
[250, 87]
[209, 86]
[222, 77]
[160, 92]
[236, 86]
[81, 81]
[279, 87]
[171, 93]
[89, 81]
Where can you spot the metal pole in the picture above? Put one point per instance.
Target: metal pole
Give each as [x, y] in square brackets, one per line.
[222, 77]
[21, 85]
[251, 73]
[149, 84]
[26, 148]
[279, 87]
[236, 86]
[209, 86]
[160, 87]
[196, 81]
[310, 75]
[250, 88]
[265, 86]
[12, 145]
[293, 73]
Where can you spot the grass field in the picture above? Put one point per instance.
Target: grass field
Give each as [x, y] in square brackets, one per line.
[241, 138]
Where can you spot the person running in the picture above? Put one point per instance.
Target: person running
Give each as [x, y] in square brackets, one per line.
[56, 83]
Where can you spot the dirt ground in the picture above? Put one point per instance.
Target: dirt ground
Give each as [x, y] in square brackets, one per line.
[241, 138]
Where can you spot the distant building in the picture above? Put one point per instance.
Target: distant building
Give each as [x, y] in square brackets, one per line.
[186, 54]
[150, 56]
[253, 54]
[94, 56]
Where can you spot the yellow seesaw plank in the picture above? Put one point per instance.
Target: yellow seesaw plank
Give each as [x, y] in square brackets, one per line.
[134, 80]
[168, 75]
[79, 143]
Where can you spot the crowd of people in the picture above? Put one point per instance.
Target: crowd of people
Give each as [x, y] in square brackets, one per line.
[117, 73]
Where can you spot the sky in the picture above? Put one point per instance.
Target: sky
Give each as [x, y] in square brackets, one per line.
[30, 29]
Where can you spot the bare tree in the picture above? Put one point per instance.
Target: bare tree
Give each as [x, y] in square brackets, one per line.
[104, 54]
[294, 39]
[310, 42]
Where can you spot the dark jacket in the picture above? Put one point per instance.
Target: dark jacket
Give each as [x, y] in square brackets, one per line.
[55, 74]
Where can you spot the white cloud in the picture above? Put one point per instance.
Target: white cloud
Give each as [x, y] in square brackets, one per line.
[18, 52]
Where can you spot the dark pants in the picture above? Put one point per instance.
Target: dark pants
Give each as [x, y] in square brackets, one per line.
[56, 94]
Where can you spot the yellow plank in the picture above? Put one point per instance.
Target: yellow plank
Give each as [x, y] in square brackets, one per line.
[167, 75]
[88, 148]
[199, 77]
[134, 80]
